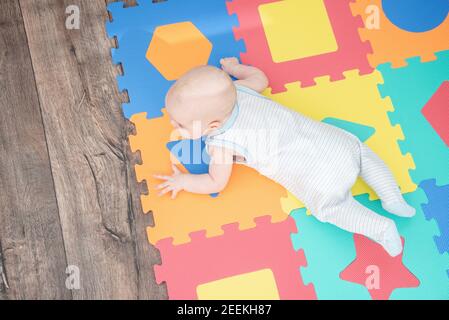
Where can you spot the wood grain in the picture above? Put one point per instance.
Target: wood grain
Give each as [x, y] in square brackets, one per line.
[98, 199]
[32, 255]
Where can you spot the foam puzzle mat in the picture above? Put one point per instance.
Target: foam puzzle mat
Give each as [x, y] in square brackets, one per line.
[377, 68]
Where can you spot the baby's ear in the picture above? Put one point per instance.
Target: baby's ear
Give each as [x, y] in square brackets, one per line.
[214, 124]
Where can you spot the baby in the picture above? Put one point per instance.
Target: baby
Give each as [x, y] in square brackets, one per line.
[316, 162]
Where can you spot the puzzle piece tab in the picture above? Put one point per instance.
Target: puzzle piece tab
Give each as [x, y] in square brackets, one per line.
[236, 252]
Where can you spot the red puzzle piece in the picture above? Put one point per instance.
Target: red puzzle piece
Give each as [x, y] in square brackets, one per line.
[436, 112]
[351, 54]
[203, 260]
[372, 259]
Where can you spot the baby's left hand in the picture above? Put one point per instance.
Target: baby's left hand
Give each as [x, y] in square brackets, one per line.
[173, 184]
[228, 63]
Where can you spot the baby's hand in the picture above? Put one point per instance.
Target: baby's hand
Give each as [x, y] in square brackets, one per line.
[173, 184]
[228, 63]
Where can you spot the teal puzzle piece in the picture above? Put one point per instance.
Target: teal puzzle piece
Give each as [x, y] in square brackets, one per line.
[329, 250]
[409, 89]
[421, 256]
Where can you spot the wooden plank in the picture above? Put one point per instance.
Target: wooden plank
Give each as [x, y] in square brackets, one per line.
[103, 228]
[32, 256]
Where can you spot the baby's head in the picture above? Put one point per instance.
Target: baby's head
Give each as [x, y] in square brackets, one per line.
[200, 101]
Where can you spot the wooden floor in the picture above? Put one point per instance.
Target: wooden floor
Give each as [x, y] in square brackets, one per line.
[68, 195]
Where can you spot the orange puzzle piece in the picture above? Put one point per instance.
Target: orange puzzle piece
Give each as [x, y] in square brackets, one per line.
[247, 196]
[392, 44]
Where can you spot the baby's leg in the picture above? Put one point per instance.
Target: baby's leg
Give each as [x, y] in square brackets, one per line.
[351, 216]
[377, 175]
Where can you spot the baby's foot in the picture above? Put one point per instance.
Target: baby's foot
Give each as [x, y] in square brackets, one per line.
[399, 208]
[391, 240]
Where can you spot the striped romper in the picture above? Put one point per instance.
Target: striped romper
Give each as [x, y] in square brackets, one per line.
[316, 162]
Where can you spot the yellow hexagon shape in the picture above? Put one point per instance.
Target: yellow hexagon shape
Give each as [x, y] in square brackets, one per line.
[177, 48]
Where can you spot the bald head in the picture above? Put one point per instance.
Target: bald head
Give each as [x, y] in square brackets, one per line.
[203, 94]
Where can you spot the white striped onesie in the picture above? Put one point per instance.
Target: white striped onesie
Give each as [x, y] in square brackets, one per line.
[316, 162]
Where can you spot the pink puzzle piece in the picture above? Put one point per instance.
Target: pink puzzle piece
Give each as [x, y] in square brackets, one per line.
[373, 261]
[436, 112]
[351, 54]
[203, 260]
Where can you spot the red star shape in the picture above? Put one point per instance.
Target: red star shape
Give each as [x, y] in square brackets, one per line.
[375, 269]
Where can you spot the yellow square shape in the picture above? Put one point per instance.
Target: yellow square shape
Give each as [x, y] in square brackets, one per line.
[297, 29]
[258, 285]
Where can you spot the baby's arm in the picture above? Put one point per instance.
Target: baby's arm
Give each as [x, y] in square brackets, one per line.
[247, 76]
[220, 169]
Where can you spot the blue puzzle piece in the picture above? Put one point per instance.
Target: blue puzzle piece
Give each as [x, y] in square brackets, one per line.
[361, 131]
[134, 27]
[438, 209]
[192, 154]
[416, 15]
[410, 88]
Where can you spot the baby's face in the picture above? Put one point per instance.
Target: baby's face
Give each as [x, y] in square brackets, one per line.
[189, 125]
[189, 130]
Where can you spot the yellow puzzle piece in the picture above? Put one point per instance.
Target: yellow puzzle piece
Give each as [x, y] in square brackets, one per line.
[355, 99]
